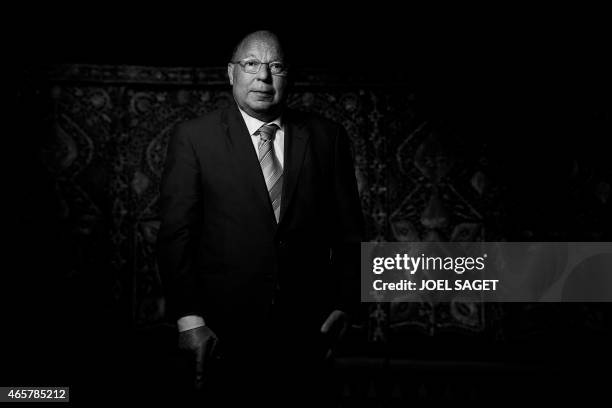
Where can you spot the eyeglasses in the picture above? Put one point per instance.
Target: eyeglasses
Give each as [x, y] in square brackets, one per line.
[252, 66]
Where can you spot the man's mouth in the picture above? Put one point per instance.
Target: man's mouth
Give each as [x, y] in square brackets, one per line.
[263, 95]
[271, 92]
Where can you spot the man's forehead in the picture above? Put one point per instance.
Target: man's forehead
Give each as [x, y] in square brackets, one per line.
[260, 47]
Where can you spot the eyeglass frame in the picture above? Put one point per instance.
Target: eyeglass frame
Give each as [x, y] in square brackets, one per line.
[243, 62]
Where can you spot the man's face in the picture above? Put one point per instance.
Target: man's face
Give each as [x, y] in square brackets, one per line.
[260, 95]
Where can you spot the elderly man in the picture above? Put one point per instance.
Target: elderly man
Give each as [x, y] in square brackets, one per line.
[260, 226]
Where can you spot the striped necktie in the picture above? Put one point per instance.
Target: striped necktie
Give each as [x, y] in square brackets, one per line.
[272, 170]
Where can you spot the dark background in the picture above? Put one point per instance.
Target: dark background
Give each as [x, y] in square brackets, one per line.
[531, 85]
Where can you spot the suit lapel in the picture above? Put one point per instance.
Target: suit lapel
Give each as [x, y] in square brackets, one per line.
[245, 161]
[296, 140]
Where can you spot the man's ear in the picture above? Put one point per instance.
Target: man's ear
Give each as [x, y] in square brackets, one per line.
[230, 72]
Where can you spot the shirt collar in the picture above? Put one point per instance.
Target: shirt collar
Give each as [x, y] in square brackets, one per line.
[254, 124]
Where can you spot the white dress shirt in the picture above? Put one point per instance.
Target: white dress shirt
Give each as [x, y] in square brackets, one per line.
[253, 125]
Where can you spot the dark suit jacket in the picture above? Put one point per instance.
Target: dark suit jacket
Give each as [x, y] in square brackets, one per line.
[221, 251]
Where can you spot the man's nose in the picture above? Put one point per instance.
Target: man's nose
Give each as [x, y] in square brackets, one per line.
[264, 72]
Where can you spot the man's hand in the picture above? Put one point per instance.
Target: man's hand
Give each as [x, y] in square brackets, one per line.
[201, 343]
[335, 327]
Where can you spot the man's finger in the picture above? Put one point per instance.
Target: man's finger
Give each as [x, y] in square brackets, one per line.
[328, 323]
[332, 320]
[325, 327]
[211, 348]
[200, 360]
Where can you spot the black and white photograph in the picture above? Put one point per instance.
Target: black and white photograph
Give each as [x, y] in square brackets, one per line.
[299, 207]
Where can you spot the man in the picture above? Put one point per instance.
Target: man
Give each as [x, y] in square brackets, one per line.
[260, 230]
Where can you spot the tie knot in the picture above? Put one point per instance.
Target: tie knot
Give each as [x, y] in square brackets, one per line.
[268, 131]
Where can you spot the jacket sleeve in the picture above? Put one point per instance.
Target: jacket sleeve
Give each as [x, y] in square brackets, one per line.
[180, 213]
[349, 228]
